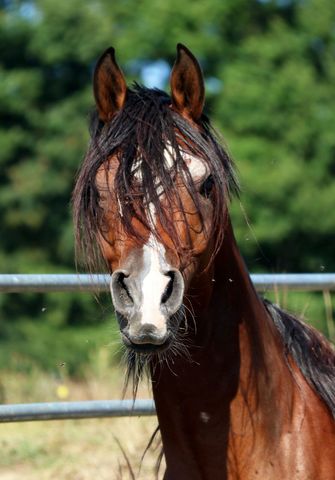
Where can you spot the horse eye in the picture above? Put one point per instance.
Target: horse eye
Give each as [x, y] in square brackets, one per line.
[207, 187]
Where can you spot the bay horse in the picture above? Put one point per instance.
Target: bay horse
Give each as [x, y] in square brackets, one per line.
[243, 390]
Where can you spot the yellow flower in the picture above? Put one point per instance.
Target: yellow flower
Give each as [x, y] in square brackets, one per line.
[62, 392]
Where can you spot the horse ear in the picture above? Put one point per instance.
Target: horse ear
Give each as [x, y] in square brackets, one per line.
[109, 86]
[187, 84]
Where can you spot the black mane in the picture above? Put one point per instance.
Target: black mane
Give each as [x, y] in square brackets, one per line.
[138, 135]
[314, 356]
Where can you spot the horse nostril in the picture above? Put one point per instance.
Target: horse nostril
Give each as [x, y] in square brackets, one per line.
[169, 287]
[172, 297]
[121, 288]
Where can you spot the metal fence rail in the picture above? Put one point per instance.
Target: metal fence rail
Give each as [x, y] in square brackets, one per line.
[13, 283]
[24, 412]
[63, 282]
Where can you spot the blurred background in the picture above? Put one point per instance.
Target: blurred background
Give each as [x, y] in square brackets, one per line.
[270, 79]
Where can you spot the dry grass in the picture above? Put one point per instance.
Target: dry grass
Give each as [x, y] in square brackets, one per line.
[74, 449]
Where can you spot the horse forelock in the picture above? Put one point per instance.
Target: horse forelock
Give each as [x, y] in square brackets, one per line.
[150, 140]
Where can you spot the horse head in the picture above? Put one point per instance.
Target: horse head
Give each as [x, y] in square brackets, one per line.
[152, 194]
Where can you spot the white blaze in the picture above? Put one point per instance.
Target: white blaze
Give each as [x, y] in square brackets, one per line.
[154, 283]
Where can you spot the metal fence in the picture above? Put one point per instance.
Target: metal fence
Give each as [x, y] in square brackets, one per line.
[24, 412]
[12, 283]
[86, 283]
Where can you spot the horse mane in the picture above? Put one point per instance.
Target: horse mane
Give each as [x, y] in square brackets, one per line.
[312, 353]
[139, 135]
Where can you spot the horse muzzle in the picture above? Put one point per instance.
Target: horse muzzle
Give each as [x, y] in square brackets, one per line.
[147, 339]
[147, 312]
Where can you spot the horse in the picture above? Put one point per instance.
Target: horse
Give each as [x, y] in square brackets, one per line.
[243, 389]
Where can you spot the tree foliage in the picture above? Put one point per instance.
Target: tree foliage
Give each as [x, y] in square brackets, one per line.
[270, 76]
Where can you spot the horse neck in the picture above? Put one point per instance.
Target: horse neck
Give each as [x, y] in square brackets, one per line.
[236, 363]
[241, 329]
[231, 318]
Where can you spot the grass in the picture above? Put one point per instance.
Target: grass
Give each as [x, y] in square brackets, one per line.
[74, 449]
